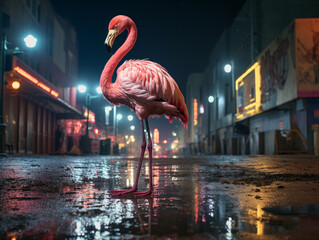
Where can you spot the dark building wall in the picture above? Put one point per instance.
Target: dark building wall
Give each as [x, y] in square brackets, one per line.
[30, 119]
[256, 25]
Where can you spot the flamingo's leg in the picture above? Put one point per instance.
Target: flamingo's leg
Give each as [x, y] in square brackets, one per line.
[134, 188]
[150, 148]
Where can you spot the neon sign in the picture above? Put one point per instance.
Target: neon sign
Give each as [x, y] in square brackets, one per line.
[195, 112]
[156, 135]
[36, 81]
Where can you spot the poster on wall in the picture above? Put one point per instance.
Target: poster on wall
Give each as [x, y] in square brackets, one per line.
[278, 70]
[307, 57]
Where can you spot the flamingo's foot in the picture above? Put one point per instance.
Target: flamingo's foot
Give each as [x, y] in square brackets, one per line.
[123, 192]
[144, 193]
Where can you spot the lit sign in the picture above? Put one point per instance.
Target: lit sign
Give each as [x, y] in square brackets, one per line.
[201, 109]
[195, 112]
[248, 92]
[156, 135]
[36, 81]
[91, 116]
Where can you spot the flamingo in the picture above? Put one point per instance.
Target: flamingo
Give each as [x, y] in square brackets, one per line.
[142, 85]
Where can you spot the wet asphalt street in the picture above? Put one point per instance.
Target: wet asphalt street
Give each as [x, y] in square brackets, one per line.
[211, 197]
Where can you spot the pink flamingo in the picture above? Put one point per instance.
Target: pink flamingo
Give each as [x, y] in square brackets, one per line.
[144, 86]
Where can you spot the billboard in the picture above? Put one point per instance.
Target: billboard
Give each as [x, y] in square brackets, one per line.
[307, 57]
[278, 70]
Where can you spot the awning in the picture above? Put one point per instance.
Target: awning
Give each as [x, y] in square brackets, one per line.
[38, 89]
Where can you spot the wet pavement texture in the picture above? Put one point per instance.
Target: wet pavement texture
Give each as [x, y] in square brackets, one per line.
[211, 197]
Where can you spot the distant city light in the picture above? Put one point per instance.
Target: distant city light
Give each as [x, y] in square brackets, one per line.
[15, 85]
[96, 131]
[156, 135]
[119, 116]
[201, 109]
[174, 134]
[99, 90]
[82, 88]
[130, 117]
[227, 68]
[132, 127]
[165, 141]
[30, 41]
[195, 112]
[211, 99]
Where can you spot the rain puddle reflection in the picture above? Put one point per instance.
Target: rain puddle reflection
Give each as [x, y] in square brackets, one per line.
[69, 198]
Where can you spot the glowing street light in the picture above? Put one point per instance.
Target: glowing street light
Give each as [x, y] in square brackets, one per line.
[30, 41]
[130, 117]
[132, 127]
[211, 99]
[119, 116]
[82, 88]
[227, 68]
[99, 90]
[15, 85]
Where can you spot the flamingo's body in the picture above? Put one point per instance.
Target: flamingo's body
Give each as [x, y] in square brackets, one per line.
[144, 86]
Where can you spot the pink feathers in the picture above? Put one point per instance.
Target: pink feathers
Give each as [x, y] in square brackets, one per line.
[154, 83]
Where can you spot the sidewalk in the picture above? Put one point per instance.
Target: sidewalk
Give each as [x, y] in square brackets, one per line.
[206, 197]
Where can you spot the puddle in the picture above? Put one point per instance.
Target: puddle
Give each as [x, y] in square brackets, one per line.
[192, 200]
[294, 210]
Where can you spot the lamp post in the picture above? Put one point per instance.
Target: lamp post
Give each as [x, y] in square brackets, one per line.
[229, 67]
[210, 100]
[89, 97]
[30, 42]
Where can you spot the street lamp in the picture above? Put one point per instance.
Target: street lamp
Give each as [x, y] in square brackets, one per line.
[210, 101]
[30, 41]
[119, 116]
[229, 67]
[99, 90]
[82, 89]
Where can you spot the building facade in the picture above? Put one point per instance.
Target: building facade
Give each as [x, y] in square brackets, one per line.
[47, 75]
[267, 103]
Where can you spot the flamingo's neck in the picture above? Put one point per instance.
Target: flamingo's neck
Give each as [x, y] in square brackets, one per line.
[106, 76]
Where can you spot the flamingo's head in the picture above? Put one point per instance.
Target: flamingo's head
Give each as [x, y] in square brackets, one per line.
[117, 25]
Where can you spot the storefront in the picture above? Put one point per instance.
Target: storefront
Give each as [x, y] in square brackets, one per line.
[31, 110]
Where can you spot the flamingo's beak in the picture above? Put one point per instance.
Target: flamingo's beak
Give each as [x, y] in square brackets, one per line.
[110, 39]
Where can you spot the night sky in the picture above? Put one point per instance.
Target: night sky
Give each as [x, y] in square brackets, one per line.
[179, 35]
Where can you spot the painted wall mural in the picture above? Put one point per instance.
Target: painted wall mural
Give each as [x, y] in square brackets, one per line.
[286, 70]
[307, 56]
[278, 70]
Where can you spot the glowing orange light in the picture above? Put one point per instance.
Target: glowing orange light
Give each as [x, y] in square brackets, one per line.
[36, 81]
[26, 75]
[195, 111]
[44, 87]
[54, 93]
[15, 85]
[91, 116]
[165, 141]
[156, 135]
